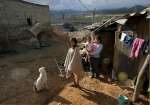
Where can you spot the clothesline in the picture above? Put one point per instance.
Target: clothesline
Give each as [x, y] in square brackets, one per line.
[137, 44]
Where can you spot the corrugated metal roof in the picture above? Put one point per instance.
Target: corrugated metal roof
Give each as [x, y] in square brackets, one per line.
[30, 3]
[132, 14]
[121, 21]
[95, 26]
[143, 12]
[148, 9]
[148, 17]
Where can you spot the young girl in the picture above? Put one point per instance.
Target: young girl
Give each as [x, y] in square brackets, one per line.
[85, 55]
[88, 48]
[73, 66]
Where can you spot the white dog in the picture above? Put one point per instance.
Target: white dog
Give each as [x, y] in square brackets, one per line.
[41, 82]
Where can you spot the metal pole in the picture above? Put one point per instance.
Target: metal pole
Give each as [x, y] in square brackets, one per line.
[93, 16]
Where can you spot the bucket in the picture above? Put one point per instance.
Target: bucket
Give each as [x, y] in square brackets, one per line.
[105, 64]
[123, 100]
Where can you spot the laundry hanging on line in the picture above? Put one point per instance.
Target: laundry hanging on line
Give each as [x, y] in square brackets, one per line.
[128, 40]
[123, 35]
[145, 47]
[137, 45]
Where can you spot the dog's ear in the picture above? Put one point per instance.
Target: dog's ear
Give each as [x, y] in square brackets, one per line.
[45, 69]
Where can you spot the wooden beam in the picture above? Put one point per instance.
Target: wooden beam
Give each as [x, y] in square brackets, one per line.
[140, 78]
[116, 53]
[141, 72]
[148, 17]
[149, 48]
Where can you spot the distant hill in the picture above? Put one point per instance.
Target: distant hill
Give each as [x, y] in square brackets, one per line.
[67, 12]
[136, 8]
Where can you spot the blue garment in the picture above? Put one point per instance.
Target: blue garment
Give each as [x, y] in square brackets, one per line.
[145, 47]
[128, 40]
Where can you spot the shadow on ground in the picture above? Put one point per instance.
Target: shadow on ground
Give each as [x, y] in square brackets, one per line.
[98, 97]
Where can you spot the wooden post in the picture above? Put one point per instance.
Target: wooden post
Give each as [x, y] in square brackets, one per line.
[148, 17]
[93, 16]
[140, 78]
[116, 53]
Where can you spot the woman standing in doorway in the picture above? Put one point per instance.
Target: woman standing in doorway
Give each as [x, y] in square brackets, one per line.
[95, 56]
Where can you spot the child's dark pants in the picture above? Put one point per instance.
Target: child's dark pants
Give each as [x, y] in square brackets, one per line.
[95, 62]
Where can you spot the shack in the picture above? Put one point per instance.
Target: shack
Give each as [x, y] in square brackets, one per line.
[137, 25]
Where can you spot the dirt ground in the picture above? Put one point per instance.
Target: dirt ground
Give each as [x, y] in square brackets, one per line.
[19, 71]
[93, 92]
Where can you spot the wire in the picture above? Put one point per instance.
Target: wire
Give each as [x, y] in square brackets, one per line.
[51, 5]
[84, 5]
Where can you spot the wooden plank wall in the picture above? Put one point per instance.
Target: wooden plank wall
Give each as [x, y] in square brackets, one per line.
[122, 62]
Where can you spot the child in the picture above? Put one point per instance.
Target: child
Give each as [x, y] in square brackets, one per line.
[85, 54]
[94, 53]
[73, 65]
[88, 48]
[88, 43]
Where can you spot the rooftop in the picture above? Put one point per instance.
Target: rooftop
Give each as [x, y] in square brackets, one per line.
[120, 20]
[31, 3]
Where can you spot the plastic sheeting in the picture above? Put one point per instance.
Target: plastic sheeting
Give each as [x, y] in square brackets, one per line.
[36, 29]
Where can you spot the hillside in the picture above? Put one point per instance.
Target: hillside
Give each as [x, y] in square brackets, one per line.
[69, 12]
[135, 8]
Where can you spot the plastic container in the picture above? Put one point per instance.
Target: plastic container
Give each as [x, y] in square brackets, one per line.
[123, 100]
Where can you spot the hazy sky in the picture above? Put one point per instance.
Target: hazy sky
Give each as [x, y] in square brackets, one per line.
[99, 4]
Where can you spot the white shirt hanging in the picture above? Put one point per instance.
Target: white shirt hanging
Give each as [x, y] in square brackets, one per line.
[123, 35]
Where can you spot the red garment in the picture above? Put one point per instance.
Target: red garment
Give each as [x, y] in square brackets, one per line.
[137, 44]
